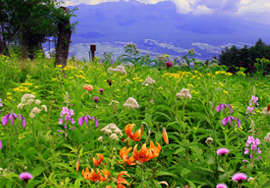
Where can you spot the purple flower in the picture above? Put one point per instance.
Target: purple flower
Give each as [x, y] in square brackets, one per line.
[169, 64]
[246, 150]
[223, 106]
[1, 104]
[230, 119]
[222, 151]
[239, 177]
[25, 176]
[250, 110]
[86, 119]
[1, 144]
[101, 91]
[95, 99]
[109, 82]
[12, 117]
[221, 185]
[254, 100]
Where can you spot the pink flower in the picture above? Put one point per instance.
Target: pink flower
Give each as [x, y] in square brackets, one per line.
[221, 185]
[223, 106]
[95, 99]
[169, 64]
[25, 176]
[1, 144]
[238, 177]
[222, 151]
[101, 91]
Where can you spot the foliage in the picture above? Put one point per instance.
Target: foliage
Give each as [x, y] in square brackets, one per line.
[51, 153]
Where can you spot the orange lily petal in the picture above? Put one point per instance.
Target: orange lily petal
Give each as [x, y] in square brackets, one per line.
[154, 151]
[165, 136]
[77, 165]
[142, 156]
[99, 161]
[121, 180]
[124, 155]
[106, 174]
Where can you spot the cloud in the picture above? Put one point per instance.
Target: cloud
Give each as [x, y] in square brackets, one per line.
[251, 6]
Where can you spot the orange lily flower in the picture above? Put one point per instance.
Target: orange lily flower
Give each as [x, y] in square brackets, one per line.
[99, 161]
[142, 156]
[92, 175]
[121, 180]
[124, 155]
[77, 165]
[134, 136]
[88, 87]
[154, 151]
[106, 174]
[165, 136]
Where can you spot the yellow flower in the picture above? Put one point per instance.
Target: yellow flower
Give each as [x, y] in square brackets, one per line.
[8, 93]
[36, 87]
[133, 78]
[117, 90]
[190, 85]
[141, 80]
[160, 88]
[115, 74]
[27, 84]
[135, 89]
[226, 92]
[69, 67]
[58, 66]
[10, 98]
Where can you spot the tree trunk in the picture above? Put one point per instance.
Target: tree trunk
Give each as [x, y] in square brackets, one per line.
[3, 44]
[64, 35]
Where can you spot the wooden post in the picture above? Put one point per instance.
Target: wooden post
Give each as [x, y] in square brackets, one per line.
[93, 49]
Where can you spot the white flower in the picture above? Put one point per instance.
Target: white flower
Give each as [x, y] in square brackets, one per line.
[35, 110]
[114, 137]
[30, 101]
[37, 102]
[119, 69]
[20, 105]
[148, 81]
[184, 93]
[100, 139]
[44, 107]
[131, 103]
[152, 101]
[27, 96]
[32, 115]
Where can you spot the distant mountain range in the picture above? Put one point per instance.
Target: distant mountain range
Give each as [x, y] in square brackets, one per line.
[159, 29]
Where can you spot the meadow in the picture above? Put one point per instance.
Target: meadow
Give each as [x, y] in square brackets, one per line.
[106, 125]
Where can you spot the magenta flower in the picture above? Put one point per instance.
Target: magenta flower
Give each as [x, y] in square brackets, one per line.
[250, 110]
[254, 100]
[169, 64]
[101, 91]
[95, 99]
[1, 104]
[86, 119]
[230, 119]
[1, 144]
[222, 151]
[25, 176]
[221, 185]
[66, 113]
[12, 117]
[239, 177]
[223, 106]
[109, 82]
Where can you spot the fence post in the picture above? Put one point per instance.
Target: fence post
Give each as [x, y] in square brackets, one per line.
[93, 49]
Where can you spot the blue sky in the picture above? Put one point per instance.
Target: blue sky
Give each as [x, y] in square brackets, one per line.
[253, 10]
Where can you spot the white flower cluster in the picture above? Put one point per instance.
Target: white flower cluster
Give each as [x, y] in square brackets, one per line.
[131, 103]
[184, 93]
[29, 99]
[113, 131]
[148, 81]
[119, 69]
[265, 111]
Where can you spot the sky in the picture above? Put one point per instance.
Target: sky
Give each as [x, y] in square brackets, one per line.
[253, 10]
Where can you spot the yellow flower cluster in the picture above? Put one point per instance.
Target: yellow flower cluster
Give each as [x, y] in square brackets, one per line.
[224, 73]
[22, 89]
[69, 67]
[27, 84]
[80, 76]
[240, 73]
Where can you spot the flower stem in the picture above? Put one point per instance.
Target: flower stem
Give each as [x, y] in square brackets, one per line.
[142, 175]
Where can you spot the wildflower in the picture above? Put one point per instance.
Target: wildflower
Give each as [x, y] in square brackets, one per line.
[109, 82]
[95, 99]
[165, 136]
[154, 151]
[253, 143]
[95, 177]
[222, 106]
[37, 102]
[27, 96]
[209, 140]
[184, 93]
[1, 104]
[25, 176]
[134, 136]
[143, 156]
[101, 91]
[124, 155]
[119, 69]
[44, 107]
[148, 81]
[88, 87]
[169, 64]
[12, 117]
[250, 110]
[221, 185]
[100, 139]
[230, 119]
[1, 144]
[114, 137]
[152, 101]
[222, 151]
[113, 102]
[77, 165]
[68, 113]
[131, 103]
[35, 110]
[121, 180]
[99, 161]
[106, 174]
[20, 106]
[32, 116]
[254, 100]
[251, 179]
[239, 177]
[86, 119]
[267, 138]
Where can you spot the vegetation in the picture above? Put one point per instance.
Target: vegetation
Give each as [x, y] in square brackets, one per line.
[135, 126]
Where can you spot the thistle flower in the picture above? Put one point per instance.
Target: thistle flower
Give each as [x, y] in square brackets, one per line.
[222, 151]
[25, 176]
[1, 144]
[221, 185]
[95, 99]
[101, 91]
[86, 119]
[169, 64]
[239, 177]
